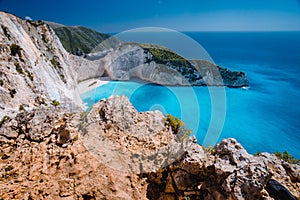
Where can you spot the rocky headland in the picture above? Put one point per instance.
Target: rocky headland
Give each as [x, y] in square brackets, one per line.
[50, 148]
[153, 63]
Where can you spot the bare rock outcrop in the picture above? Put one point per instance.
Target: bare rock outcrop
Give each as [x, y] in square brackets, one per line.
[45, 158]
[115, 152]
[35, 68]
[226, 172]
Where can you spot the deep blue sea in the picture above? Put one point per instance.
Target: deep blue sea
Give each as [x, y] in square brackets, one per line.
[266, 117]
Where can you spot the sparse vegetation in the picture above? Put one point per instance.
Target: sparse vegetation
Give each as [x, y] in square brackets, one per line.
[286, 156]
[45, 40]
[210, 149]
[75, 138]
[5, 30]
[163, 55]
[257, 153]
[1, 83]
[4, 119]
[35, 23]
[63, 78]
[55, 103]
[175, 123]
[55, 63]
[19, 68]
[81, 39]
[8, 168]
[30, 76]
[15, 50]
[43, 101]
[178, 127]
[21, 107]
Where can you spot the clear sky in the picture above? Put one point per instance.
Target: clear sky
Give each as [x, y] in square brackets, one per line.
[182, 15]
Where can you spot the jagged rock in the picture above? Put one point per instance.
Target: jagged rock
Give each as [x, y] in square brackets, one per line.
[115, 152]
[231, 173]
[142, 140]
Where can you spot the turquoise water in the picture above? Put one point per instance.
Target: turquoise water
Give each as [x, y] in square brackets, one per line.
[266, 117]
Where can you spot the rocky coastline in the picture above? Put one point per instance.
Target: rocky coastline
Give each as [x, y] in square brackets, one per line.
[50, 148]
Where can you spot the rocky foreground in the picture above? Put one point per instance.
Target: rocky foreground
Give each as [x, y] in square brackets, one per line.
[115, 152]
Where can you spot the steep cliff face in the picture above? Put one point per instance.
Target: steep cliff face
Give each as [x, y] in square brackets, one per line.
[35, 68]
[115, 152]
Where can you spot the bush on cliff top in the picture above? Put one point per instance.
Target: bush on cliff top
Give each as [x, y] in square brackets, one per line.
[286, 156]
[178, 127]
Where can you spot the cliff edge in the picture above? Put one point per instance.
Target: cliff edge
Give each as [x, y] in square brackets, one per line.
[115, 152]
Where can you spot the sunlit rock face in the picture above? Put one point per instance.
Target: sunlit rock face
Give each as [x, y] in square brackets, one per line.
[115, 152]
[35, 68]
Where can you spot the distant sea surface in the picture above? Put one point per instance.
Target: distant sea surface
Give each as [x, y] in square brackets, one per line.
[266, 117]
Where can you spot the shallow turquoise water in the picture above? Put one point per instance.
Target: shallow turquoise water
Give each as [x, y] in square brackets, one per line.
[265, 117]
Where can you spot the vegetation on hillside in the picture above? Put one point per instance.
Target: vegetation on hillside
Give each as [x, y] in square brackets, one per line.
[163, 55]
[4, 119]
[78, 40]
[15, 50]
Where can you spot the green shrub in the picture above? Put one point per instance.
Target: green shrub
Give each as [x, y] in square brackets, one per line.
[29, 75]
[1, 82]
[164, 55]
[55, 63]
[19, 68]
[21, 107]
[4, 119]
[15, 49]
[43, 101]
[75, 138]
[8, 168]
[55, 103]
[257, 153]
[175, 123]
[286, 156]
[209, 149]
[178, 127]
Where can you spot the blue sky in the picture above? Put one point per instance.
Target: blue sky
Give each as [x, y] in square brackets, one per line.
[182, 15]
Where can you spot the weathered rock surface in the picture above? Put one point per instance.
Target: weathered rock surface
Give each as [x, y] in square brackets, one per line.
[46, 159]
[114, 152]
[35, 68]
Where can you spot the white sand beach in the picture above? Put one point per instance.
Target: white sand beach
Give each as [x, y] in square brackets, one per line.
[90, 84]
